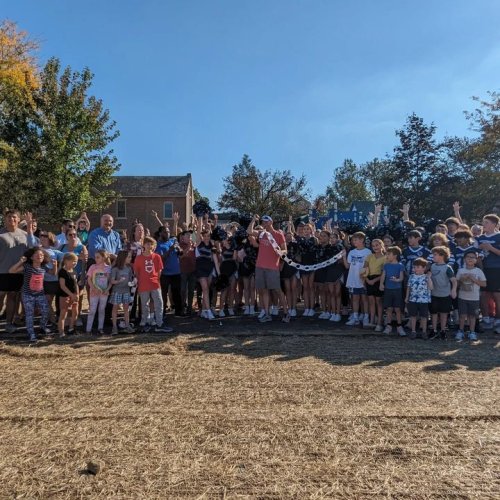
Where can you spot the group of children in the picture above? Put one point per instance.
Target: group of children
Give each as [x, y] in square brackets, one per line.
[107, 283]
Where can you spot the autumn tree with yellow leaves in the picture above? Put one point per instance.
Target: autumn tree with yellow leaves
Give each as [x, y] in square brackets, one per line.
[55, 156]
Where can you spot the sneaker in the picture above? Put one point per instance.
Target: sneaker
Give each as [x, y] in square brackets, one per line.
[79, 322]
[444, 334]
[487, 323]
[122, 325]
[265, 319]
[388, 329]
[353, 321]
[246, 311]
[130, 329]
[379, 328]
[10, 328]
[252, 310]
[33, 338]
[324, 315]
[262, 314]
[46, 331]
[222, 314]
[286, 318]
[274, 311]
[100, 332]
[115, 331]
[163, 329]
[293, 313]
[312, 313]
[472, 336]
[366, 321]
[433, 335]
[459, 336]
[401, 331]
[413, 335]
[210, 315]
[497, 326]
[305, 314]
[231, 311]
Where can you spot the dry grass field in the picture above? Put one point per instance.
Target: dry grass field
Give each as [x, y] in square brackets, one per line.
[227, 410]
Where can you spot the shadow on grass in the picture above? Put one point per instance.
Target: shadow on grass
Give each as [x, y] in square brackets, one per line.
[333, 343]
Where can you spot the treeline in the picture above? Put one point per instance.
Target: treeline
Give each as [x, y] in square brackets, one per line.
[428, 174]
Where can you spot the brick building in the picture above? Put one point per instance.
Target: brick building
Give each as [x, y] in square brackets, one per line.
[139, 195]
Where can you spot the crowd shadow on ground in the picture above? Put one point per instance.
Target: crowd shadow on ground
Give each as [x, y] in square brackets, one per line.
[333, 343]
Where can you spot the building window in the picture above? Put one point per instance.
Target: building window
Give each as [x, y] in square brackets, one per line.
[168, 210]
[121, 209]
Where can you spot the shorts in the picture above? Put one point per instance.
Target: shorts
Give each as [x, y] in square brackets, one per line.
[51, 287]
[418, 309]
[305, 273]
[246, 271]
[287, 272]
[374, 290]
[229, 268]
[267, 279]
[468, 307]
[334, 273]
[393, 297]
[441, 305]
[492, 275]
[10, 282]
[120, 298]
[357, 291]
[204, 268]
[67, 300]
[320, 275]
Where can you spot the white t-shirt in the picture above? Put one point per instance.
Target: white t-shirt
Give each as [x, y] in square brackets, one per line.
[356, 258]
[467, 290]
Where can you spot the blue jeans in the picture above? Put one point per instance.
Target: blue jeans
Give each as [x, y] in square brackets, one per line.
[31, 302]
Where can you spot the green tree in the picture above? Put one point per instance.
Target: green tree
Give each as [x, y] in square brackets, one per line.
[198, 197]
[57, 151]
[415, 161]
[348, 184]
[277, 193]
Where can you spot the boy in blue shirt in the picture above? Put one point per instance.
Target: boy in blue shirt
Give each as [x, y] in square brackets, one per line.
[391, 283]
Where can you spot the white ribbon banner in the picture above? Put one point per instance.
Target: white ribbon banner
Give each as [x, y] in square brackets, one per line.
[296, 265]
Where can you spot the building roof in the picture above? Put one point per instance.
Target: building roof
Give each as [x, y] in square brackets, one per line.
[151, 185]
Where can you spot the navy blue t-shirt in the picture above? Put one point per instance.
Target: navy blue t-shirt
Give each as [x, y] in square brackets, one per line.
[393, 271]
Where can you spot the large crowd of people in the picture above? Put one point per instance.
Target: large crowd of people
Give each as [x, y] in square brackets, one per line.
[420, 281]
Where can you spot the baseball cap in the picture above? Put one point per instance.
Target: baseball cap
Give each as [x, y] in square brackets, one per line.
[266, 218]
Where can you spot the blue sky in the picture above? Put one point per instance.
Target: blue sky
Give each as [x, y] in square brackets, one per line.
[296, 84]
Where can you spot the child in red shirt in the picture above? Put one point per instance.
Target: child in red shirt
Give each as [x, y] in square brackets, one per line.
[147, 269]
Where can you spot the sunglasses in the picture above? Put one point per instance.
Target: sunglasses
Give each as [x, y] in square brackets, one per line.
[71, 234]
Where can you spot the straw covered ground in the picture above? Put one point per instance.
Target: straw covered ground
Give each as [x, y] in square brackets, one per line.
[226, 410]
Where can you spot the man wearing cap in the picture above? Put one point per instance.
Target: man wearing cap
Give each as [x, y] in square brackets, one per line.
[267, 268]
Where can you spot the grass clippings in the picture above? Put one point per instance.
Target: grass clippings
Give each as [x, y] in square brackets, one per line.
[294, 413]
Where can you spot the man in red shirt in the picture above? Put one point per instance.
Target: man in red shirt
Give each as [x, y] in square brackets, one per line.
[267, 269]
